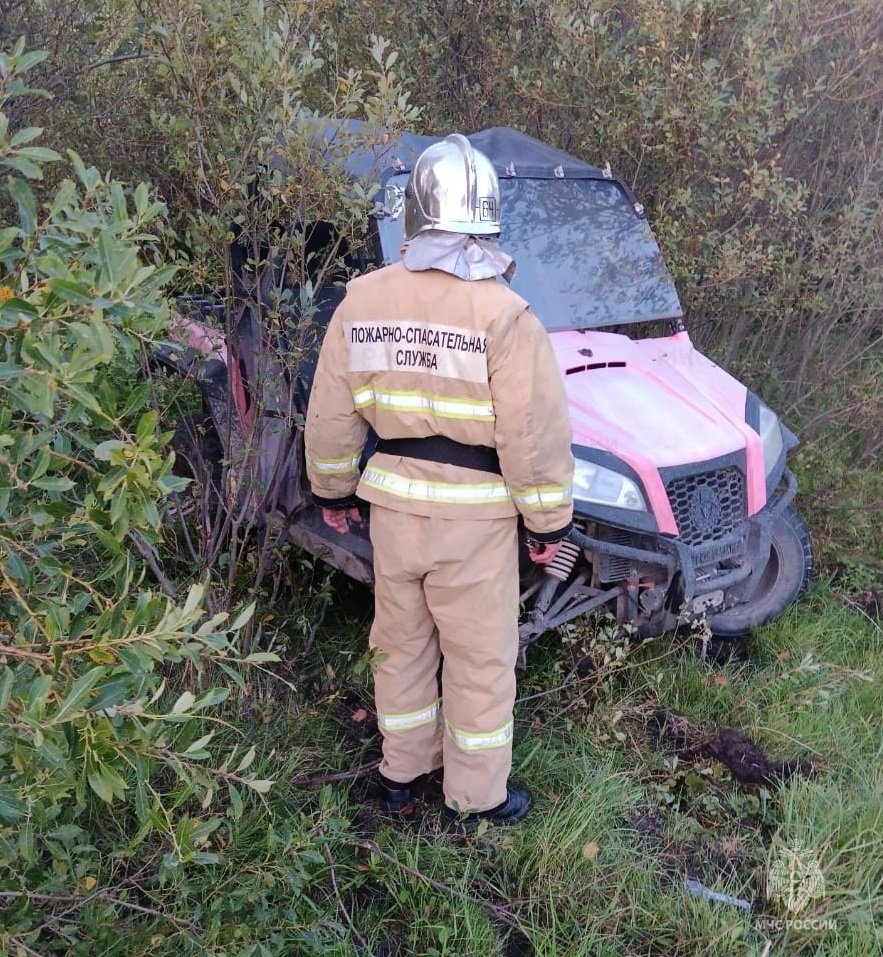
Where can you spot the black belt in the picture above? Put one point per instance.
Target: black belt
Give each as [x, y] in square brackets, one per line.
[438, 448]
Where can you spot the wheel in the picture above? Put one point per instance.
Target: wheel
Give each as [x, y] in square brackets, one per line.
[784, 580]
[199, 454]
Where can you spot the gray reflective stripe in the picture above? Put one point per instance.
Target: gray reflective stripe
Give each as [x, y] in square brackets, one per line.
[481, 740]
[409, 720]
[442, 406]
[545, 496]
[349, 463]
[449, 493]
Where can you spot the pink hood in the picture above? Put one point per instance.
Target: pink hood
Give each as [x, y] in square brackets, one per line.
[656, 403]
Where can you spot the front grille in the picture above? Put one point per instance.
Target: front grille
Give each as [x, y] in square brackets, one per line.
[613, 567]
[707, 505]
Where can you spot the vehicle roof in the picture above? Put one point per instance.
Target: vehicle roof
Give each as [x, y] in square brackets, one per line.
[580, 284]
[365, 150]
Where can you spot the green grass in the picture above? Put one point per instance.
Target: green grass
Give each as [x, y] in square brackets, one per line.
[598, 868]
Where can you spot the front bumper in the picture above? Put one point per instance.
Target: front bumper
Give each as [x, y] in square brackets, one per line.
[655, 582]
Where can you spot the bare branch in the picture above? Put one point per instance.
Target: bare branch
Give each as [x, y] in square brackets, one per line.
[496, 911]
[104, 896]
[340, 902]
[147, 553]
[323, 779]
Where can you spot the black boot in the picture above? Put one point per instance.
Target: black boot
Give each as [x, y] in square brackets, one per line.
[518, 802]
[394, 796]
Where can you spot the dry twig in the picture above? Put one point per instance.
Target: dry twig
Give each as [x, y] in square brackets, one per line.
[17, 942]
[322, 779]
[340, 901]
[101, 896]
[147, 553]
[496, 911]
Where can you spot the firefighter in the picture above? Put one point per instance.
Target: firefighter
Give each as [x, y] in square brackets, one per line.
[457, 378]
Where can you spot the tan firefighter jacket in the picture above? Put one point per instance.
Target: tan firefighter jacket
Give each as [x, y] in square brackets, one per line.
[416, 354]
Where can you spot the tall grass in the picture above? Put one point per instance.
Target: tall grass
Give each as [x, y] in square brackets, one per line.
[620, 821]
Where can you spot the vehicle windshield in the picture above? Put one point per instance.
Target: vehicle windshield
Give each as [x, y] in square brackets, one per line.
[584, 258]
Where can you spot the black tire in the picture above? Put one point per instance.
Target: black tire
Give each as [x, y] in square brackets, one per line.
[784, 580]
[199, 454]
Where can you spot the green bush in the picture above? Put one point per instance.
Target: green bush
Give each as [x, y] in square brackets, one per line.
[104, 690]
[749, 130]
[232, 91]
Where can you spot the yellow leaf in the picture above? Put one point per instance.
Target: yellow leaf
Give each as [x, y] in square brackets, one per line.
[89, 883]
[590, 851]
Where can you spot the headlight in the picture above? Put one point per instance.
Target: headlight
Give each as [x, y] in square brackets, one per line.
[594, 483]
[771, 436]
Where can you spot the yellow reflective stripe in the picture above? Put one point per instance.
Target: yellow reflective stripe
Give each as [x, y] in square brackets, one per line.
[348, 463]
[450, 493]
[408, 720]
[482, 740]
[443, 406]
[545, 496]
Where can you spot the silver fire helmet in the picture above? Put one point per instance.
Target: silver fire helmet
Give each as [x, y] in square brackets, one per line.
[454, 188]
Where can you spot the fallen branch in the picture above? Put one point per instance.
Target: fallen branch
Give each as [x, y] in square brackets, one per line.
[323, 779]
[494, 910]
[17, 942]
[340, 901]
[106, 898]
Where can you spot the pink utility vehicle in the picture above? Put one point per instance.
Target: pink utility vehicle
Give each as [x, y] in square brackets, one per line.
[682, 494]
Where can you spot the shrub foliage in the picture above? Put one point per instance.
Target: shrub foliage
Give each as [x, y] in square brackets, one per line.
[750, 131]
[102, 697]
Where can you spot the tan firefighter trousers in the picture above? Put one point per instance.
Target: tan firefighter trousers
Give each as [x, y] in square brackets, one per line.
[446, 590]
